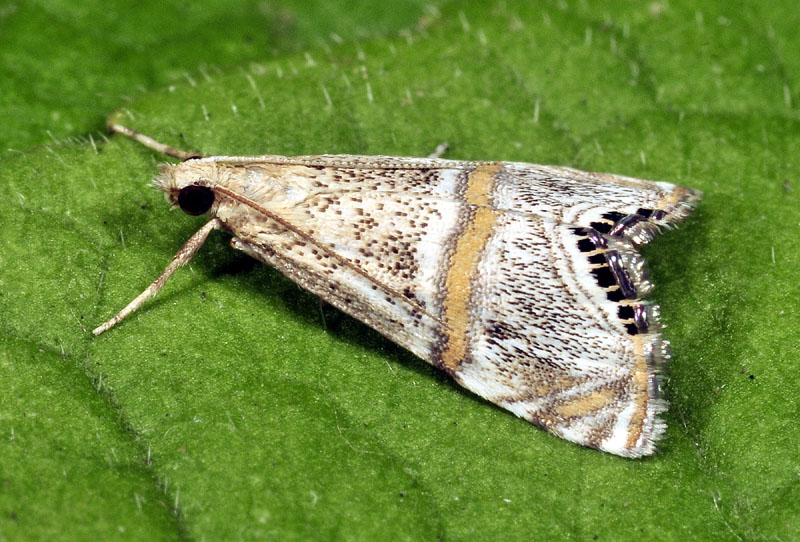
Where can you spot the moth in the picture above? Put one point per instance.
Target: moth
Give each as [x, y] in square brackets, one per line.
[523, 282]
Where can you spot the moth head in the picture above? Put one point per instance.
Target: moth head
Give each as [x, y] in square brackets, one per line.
[187, 185]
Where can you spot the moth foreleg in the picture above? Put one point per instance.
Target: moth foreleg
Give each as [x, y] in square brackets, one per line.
[181, 258]
[149, 142]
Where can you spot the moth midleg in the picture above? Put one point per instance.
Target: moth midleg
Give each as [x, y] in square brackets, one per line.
[440, 149]
[181, 258]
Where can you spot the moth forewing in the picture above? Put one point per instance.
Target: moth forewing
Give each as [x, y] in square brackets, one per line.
[523, 282]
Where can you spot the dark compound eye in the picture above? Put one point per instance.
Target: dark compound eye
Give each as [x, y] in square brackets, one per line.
[195, 200]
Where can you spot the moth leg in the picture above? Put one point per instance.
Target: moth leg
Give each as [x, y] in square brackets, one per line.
[149, 142]
[244, 246]
[322, 313]
[181, 258]
[440, 149]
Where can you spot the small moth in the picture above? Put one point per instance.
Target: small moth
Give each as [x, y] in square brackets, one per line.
[522, 282]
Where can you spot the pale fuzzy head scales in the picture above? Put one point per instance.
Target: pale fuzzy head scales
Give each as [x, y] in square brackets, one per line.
[173, 177]
[166, 182]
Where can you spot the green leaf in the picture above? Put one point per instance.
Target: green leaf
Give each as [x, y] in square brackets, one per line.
[66, 64]
[236, 407]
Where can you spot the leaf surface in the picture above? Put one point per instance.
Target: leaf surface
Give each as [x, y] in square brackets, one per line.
[238, 408]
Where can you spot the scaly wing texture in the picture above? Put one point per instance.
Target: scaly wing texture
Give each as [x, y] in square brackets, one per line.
[559, 193]
[521, 281]
[545, 341]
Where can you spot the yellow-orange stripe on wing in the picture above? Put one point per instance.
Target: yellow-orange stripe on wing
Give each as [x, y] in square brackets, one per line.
[469, 248]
